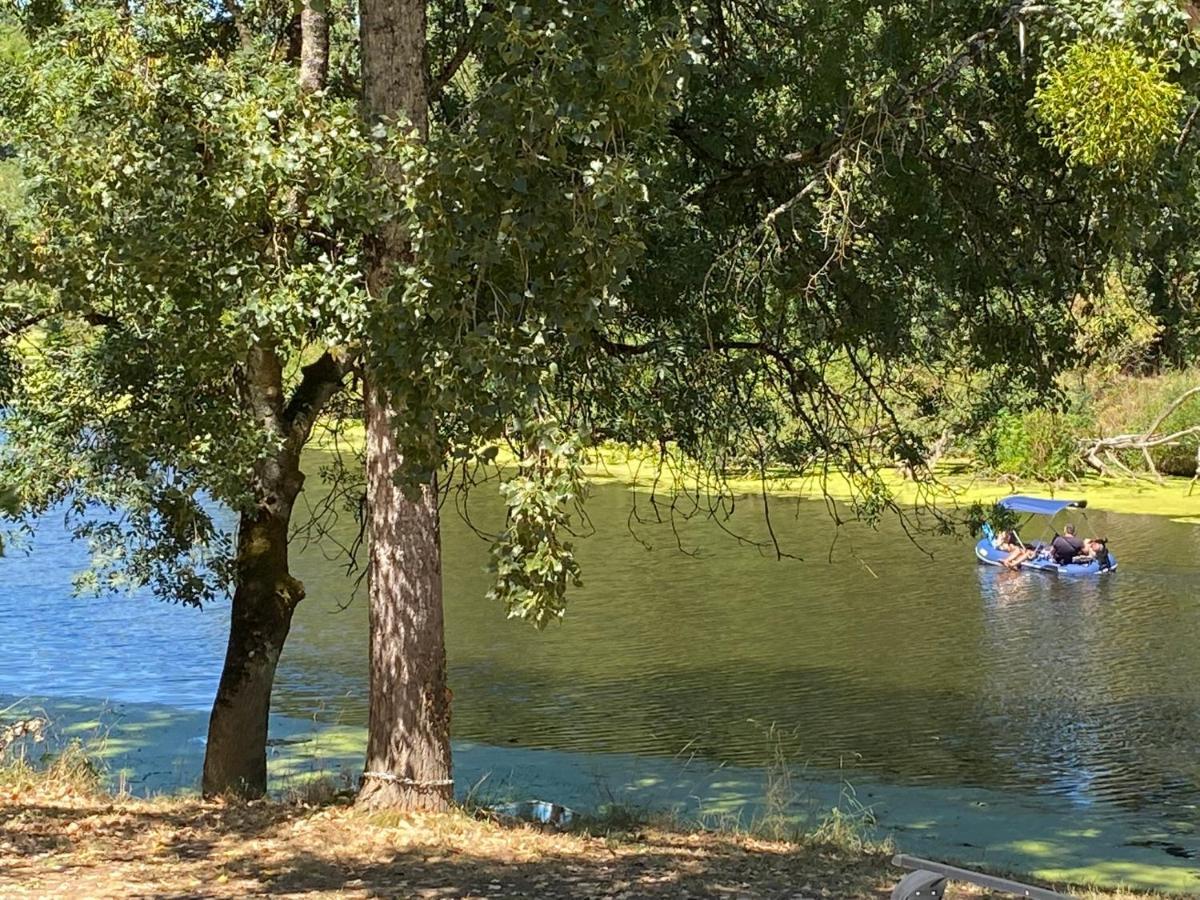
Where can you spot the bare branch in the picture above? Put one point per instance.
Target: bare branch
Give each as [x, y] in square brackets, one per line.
[13, 329]
[1101, 453]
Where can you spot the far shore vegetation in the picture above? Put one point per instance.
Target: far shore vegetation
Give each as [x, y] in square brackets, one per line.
[1034, 452]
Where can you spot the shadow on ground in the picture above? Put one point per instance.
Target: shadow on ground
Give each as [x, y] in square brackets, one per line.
[186, 848]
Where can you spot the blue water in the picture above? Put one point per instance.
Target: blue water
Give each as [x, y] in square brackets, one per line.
[119, 647]
[868, 656]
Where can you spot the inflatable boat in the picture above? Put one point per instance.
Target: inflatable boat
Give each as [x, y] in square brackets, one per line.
[987, 552]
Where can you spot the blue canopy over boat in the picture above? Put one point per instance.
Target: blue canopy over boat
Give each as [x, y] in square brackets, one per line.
[1039, 505]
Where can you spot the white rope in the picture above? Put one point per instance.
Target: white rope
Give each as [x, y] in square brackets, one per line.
[407, 782]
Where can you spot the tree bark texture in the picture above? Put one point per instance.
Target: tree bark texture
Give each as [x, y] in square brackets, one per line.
[235, 759]
[314, 48]
[408, 735]
[265, 595]
[408, 732]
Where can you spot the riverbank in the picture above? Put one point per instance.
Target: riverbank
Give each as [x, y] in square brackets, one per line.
[953, 483]
[59, 838]
[153, 751]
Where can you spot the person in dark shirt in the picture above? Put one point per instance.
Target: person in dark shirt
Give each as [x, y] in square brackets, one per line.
[1065, 547]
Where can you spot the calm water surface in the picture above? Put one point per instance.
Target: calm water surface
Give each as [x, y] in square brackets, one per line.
[868, 654]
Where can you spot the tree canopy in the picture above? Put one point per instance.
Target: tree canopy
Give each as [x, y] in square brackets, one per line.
[744, 233]
[734, 232]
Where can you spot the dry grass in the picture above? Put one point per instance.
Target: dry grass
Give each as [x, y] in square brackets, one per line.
[58, 840]
[68, 774]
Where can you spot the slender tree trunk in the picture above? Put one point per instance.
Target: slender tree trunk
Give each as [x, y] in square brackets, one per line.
[408, 737]
[314, 48]
[265, 593]
[235, 759]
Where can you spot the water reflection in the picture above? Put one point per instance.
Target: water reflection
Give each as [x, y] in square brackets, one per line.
[1080, 677]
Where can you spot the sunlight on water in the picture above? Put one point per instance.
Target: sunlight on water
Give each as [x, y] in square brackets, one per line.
[872, 654]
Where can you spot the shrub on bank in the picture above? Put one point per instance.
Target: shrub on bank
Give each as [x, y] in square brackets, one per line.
[1035, 443]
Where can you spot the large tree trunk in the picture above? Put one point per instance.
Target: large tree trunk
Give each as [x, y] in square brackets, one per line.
[408, 739]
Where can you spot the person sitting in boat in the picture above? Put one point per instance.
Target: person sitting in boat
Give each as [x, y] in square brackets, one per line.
[1011, 544]
[1065, 547]
[1007, 541]
[1094, 550]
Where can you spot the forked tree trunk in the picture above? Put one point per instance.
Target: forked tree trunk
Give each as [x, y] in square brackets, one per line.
[265, 593]
[408, 737]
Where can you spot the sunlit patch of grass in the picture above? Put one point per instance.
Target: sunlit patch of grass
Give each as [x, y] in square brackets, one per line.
[167, 846]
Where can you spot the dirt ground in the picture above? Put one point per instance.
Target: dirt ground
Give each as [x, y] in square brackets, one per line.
[60, 844]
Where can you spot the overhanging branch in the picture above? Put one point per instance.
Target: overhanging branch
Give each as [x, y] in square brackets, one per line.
[12, 329]
[464, 50]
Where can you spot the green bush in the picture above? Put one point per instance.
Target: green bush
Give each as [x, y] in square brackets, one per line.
[1035, 444]
[1108, 106]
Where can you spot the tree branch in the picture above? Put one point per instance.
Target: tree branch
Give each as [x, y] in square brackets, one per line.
[1187, 130]
[319, 382]
[15, 328]
[233, 9]
[460, 55]
[12, 329]
[1091, 448]
[617, 348]
[874, 123]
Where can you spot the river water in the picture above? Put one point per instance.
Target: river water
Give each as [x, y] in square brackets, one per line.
[905, 664]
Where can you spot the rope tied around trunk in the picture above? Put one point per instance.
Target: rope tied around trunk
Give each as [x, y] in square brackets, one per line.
[408, 782]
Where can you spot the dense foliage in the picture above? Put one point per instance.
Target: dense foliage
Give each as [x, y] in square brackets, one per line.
[1108, 106]
[822, 235]
[183, 203]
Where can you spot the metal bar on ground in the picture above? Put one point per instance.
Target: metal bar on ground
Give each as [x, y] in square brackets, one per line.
[953, 873]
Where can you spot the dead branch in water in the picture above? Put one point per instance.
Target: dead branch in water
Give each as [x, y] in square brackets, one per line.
[1102, 453]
